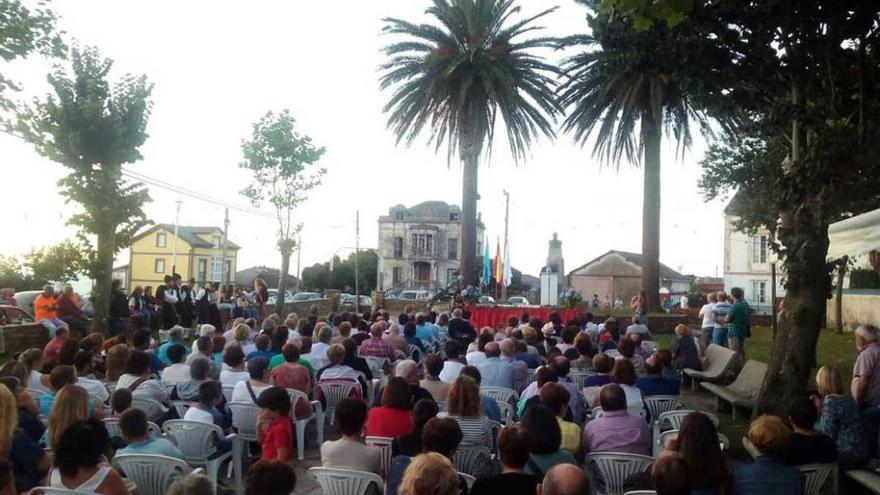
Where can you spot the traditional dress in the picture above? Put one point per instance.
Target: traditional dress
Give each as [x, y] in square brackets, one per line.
[168, 299]
[185, 305]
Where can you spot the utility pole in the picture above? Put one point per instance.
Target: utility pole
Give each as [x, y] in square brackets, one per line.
[357, 244]
[224, 277]
[174, 243]
[506, 251]
[299, 244]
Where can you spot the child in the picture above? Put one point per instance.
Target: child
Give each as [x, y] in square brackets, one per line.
[120, 401]
[135, 432]
[205, 411]
[684, 350]
[273, 425]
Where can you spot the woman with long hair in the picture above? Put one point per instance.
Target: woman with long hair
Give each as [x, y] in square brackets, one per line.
[463, 404]
[71, 404]
[32, 360]
[708, 471]
[261, 295]
[116, 358]
[394, 417]
[30, 463]
[13, 375]
[78, 461]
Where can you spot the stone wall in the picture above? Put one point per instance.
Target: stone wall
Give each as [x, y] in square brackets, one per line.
[859, 307]
[17, 338]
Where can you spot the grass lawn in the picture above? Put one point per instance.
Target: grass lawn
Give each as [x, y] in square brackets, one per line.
[832, 348]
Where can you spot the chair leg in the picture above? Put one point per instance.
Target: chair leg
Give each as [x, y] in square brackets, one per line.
[238, 449]
[300, 438]
[212, 467]
[319, 426]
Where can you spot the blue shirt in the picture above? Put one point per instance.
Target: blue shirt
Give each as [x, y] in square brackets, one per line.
[267, 355]
[531, 360]
[158, 446]
[496, 372]
[163, 351]
[490, 408]
[657, 386]
[427, 333]
[155, 362]
[767, 476]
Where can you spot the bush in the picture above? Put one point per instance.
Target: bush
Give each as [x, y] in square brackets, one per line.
[864, 279]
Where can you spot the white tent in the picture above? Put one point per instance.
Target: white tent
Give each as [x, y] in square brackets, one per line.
[855, 236]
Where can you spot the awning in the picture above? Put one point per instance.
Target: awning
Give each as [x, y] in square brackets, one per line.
[855, 236]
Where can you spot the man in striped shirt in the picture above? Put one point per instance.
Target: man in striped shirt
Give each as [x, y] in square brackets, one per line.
[375, 346]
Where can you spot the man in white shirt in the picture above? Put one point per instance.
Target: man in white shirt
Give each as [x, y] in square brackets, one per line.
[319, 348]
[178, 370]
[637, 327]
[708, 321]
[204, 349]
[83, 363]
[453, 365]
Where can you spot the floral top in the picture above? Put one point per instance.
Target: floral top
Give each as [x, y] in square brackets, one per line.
[841, 421]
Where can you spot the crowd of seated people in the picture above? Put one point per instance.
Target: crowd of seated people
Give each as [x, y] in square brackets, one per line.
[429, 399]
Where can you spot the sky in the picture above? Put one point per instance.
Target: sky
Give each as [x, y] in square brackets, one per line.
[219, 66]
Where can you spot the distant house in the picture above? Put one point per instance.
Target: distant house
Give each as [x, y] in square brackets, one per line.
[618, 273]
[199, 255]
[747, 261]
[420, 246]
[709, 284]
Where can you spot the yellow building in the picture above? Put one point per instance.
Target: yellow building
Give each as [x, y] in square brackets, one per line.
[199, 255]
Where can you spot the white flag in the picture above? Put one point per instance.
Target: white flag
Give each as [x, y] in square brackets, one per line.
[508, 271]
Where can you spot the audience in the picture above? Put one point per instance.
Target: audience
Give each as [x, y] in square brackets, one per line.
[32, 360]
[627, 349]
[337, 370]
[267, 477]
[624, 375]
[698, 447]
[120, 401]
[78, 460]
[274, 431]
[350, 451]
[564, 479]
[441, 436]
[375, 346]
[463, 404]
[583, 344]
[488, 405]
[520, 370]
[433, 366]
[684, 349]
[514, 446]
[616, 430]
[454, 362]
[206, 409]
[233, 369]
[669, 476]
[135, 432]
[192, 484]
[768, 476]
[839, 418]
[495, 372]
[430, 474]
[546, 437]
[60, 377]
[175, 337]
[805, 446]
[410, 444]
[556, 398]
[28, 410]
[204, 349]
[653, 383]
[291, 374]
[29, 461]
[53, 348]
[188, 389]
[96, 388]
[177, 371]
[394, 417]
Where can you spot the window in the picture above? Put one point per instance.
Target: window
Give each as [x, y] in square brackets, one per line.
[216, 241]
[759, 291]
[453, 217]
[203, 271]
[398, 247]
[161, 239]
[452, 249]
[423, 244]
[759, 249]
[396, 275]
[398, 215]
[159, 265]
[216, 269]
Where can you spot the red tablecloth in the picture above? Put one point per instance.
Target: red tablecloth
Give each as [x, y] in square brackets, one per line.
[487, 316]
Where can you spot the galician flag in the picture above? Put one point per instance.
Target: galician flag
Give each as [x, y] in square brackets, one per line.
[487, 264]
[498, 272]
[508, 272]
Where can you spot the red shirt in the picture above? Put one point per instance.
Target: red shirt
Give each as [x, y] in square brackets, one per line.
[388, 422]
[278, 434]
[290, 375]
[50, 352]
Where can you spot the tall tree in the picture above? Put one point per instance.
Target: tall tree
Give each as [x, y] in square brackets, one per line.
[282, 163]
[58, 263]
[454, 77]
[628, 84]
[24, 31]
[808, 159]
[93, 127]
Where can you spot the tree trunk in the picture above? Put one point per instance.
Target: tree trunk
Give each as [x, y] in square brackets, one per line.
[286, 248]
[469, 218]
[102, 273]
[838, 302]
[651, 213]
[794, 349]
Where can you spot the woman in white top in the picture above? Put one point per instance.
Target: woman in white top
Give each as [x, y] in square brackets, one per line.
[139, 380]
[233, 358]
[78, 457]
[32, 359]
[248, 390]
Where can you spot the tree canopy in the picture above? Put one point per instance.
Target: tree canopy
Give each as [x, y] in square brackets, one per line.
[318, 277]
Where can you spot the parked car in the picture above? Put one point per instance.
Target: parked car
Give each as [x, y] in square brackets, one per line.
[413, 295]
[486, 300]
[14, 315]
[518, 301]
[273, 296]
[306, 296]
[25, 299]
[348, 300]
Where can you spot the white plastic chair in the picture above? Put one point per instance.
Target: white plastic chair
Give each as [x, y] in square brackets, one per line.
[613, 469]
[384, 446]
[815, 477]
[507, 412]
[153, 409]
[46, 490]
[475, 460]
[152, 474]
[415, 351]
[244, 420]
[195, 440]
[501, 394]
[114, 430]
[317, 413]
[468, 479]
[345, 481]
[659, 404]
[671, 420]
[334, 392]
[227, 392]
[494, 429]
[181, 406]
[641, 492]
[533, 375]
[665, 436]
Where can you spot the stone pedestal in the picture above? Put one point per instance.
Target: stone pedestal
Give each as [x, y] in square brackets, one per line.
[378, 297]
[333, 296]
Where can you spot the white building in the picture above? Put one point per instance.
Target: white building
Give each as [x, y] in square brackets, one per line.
[420, 247]
[747, 262]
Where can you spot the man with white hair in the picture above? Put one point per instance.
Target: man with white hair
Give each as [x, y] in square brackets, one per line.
[865, 380]
[564, 479]
[207, 330]
[319, 348]
[496, 372]
[409, 371]
[520, 368]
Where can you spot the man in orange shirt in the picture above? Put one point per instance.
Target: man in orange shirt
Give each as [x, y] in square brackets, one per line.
[46, 311]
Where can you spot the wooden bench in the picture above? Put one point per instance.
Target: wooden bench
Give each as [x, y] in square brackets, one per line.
[743, 392]
[719, 361]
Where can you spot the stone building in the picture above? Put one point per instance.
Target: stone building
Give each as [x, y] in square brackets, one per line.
[420, 246]
[618, 273]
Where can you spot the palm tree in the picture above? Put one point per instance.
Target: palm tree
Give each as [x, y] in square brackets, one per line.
[455, 76]
[624, 87]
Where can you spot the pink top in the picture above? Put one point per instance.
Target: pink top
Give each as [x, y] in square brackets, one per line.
[389, 422]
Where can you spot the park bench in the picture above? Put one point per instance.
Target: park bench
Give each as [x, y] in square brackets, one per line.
[719, 359]
[743, 392]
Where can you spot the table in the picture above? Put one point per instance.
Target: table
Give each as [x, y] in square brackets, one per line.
[489, 316]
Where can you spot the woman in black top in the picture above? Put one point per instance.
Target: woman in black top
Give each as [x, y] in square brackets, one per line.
[513, 449]
[805, 446]
[411, 445]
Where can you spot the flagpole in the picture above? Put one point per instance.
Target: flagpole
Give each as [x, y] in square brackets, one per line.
[506, 255]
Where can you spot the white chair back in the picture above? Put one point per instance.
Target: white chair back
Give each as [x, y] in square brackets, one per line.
[475, 460]
[641, 492]
[673, 419]
[415, 351]
[667, 435]
[150, 407]
[659, 404]
[507, 412]
[152, 474]
[113, 429]
[181, 406]
[578, 376]
[47, 490]
[346, 481]
[334, 392]
[227, 392]
[244, 419]
[468, 479]
[613, 469]
[195, 439]
[815, 477]
[384, 446]
[501, 394]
